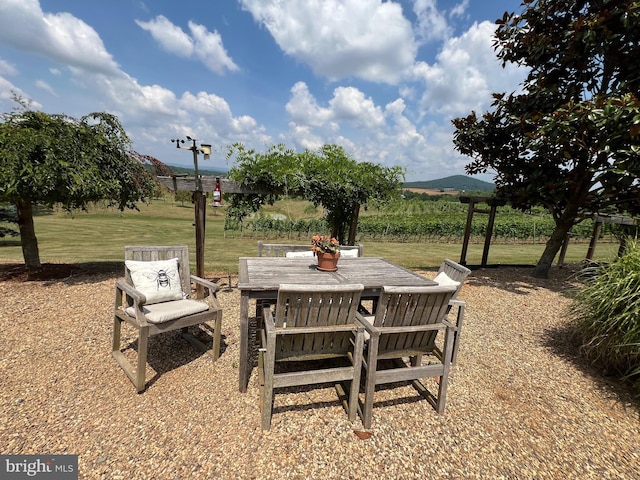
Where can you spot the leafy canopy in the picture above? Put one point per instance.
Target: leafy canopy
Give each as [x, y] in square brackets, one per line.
[49, 159]
[327, 177]
[570, 140]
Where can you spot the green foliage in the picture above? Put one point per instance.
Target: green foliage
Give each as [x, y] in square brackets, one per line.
[51, 159]
[57, 159]
[571, 142]
[8, 216]
[607, 312]
[327, 178]
[183, 196]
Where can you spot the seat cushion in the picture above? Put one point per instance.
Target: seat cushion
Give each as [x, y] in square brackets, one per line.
[349, 252]
[166, 311]
[445, 280]
[299, 254]
[158, 281]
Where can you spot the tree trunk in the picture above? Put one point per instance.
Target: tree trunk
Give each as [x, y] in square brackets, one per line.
[28, 238]
[554, 244]
[353, 229]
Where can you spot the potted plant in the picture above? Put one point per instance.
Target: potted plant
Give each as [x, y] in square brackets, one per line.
[327, 251]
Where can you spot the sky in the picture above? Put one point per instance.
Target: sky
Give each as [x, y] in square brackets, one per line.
[383, 79]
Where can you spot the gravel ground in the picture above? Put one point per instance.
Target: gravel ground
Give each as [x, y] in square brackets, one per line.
[520, 404]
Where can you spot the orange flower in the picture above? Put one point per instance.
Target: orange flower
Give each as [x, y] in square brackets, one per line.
[324, 244]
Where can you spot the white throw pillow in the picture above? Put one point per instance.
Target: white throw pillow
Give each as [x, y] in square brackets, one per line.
[299, 254]
[445, 280]
[159, 281]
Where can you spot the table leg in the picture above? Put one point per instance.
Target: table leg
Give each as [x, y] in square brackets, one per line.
[244, 340]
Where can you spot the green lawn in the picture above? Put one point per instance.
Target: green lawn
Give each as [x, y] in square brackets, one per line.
[101, 234]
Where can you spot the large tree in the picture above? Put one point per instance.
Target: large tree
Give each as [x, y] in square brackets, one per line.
[328, 177]
[56, 159]
[570, 140]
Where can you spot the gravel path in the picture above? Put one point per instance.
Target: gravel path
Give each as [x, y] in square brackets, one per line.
[520, 405]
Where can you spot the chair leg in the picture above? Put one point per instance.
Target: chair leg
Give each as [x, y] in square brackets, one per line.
[216, 337]
[352, 411]
[268, 361]
[117, 334]
[444, 380]
[457, 333]
[143, 341]
[370, 382]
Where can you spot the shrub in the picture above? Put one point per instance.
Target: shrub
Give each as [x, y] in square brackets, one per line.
[607, 312]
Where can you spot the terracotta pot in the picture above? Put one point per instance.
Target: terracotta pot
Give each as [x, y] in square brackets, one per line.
[328, 262]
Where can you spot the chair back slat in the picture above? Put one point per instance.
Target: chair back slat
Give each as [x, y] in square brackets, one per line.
[300, 306]
[411, 306]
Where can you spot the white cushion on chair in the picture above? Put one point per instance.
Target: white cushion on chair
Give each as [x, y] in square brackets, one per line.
[445, 280]
[348, 252]
[299, 254]
[159, 281]
[165, 311]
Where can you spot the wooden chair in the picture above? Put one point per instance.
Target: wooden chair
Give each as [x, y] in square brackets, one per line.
[311, 323]
[153, 298]
[452, 273]
[406, 323]
[281, 249]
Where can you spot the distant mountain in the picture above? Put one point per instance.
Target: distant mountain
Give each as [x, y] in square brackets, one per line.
[455, 182]
[189, 171]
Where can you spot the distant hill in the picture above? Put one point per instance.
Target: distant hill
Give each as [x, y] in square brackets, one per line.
[189, 171]
[455, 182]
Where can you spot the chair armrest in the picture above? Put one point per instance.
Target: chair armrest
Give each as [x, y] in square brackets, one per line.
[368, 326]
[414, 328]
[137, 296]
[213, 287]
[319, 329]
[457, 303]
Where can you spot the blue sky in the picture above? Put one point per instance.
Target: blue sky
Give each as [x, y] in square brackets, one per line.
[382, 79]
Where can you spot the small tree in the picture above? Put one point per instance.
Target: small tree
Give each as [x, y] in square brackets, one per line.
[50, 159]
[571, 141]
[327, 177]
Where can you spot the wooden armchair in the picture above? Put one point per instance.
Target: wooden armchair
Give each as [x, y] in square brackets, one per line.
[311, 323]
[153, 298]
[405, 325]
[452, 273]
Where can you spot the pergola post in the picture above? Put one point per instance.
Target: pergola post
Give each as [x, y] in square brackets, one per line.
[493, 203]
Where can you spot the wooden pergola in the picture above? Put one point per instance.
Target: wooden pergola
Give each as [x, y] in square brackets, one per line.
[493, 203]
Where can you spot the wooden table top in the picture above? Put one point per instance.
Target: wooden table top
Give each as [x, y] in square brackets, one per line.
[267, 273]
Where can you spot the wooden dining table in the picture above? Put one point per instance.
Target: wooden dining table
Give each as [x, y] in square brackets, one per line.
[260, 277]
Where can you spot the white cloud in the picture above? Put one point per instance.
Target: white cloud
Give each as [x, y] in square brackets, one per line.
[61, 37]
[170, 37]
[41, 84]
[432, 25]
[368, 39]
[467, 72]
[348, 105]
[460, 9]
[7, 69]
[204, 45]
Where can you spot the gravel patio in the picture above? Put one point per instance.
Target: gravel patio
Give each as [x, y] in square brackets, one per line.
[521, 404]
